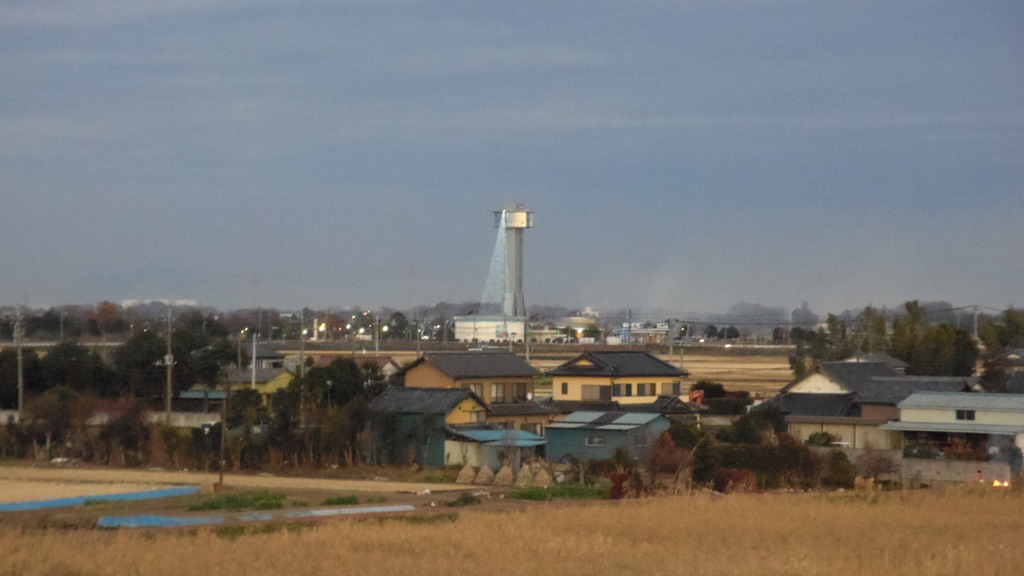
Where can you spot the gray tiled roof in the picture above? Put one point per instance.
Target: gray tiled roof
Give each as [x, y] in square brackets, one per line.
[401, 400]
[521, 409]
[617, 364]
[803, 404]
[1015, 385]
[893, 390]
[893, 362]
[666, 405]
[479, 364]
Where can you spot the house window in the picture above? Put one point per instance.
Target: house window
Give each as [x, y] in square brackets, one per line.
[647, 389]
[497, 392]
[596, 393]
[616, 389]
[477, 389]
[595, 440]
[532, 428]
[565, 388]
[476, 416]
[965, 414]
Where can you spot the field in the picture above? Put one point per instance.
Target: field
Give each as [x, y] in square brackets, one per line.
[967, 530]
[760, 371]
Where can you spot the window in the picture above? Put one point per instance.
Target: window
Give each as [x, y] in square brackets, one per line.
[565, 388]
[965, 414]
[595, 440]
[616, 389]
[646, 389]
[593, 392]
[629, 390]
[476, 416]
[477, 389]
[532, 428]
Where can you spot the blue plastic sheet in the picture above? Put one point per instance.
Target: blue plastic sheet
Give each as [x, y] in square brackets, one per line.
[80, 500]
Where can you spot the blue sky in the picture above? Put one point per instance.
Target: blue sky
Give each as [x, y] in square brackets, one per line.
[678, 155]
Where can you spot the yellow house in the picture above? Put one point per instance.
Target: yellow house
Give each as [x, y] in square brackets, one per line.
[267, 380]
[502, 380]
[626, 377]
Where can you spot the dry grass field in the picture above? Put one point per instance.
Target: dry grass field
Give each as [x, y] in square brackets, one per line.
[969, 530]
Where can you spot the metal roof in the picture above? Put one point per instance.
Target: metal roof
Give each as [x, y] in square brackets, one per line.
[956, 427]
[965, 401]
[606, 420]
[518, 438]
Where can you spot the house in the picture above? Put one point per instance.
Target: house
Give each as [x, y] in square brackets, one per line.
[852, 400]
[1012, 360]
[267, 357]
[961, 430]
[626, 377]
[386, 366]
[502, 380]
[267, 380]
[898, 366]
[411, 424]
[597, 435]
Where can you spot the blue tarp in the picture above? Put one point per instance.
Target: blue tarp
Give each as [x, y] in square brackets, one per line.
[80, 500]
[153, 521]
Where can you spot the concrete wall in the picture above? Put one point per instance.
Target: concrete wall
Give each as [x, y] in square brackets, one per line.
[915, 471]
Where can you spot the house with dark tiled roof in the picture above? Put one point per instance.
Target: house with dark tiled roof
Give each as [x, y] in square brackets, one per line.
[504, 381]
[411, 424]
[851, 400]
[898, 366]
[626, 377]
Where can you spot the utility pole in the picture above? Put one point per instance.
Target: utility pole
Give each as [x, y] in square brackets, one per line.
[18, 337]
[302, 341]
[253, 383]
[169, 360]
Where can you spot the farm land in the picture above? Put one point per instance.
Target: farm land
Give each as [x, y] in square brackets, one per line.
[964, 529]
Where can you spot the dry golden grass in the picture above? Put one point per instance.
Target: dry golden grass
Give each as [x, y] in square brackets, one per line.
[969, 531]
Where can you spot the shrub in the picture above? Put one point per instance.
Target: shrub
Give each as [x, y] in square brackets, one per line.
[465, 499]
[711, 389]
[341, 501]
[686, 434]
[560, 492]
[839, 471]
[821, 439]
[243, 501]
[705, 462]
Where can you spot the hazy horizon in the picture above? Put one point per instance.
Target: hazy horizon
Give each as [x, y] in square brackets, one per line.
[677, 156]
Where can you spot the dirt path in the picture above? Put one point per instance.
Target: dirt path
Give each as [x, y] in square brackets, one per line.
[132, 480]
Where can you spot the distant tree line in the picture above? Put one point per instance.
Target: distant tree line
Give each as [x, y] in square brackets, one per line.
[929, 348]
